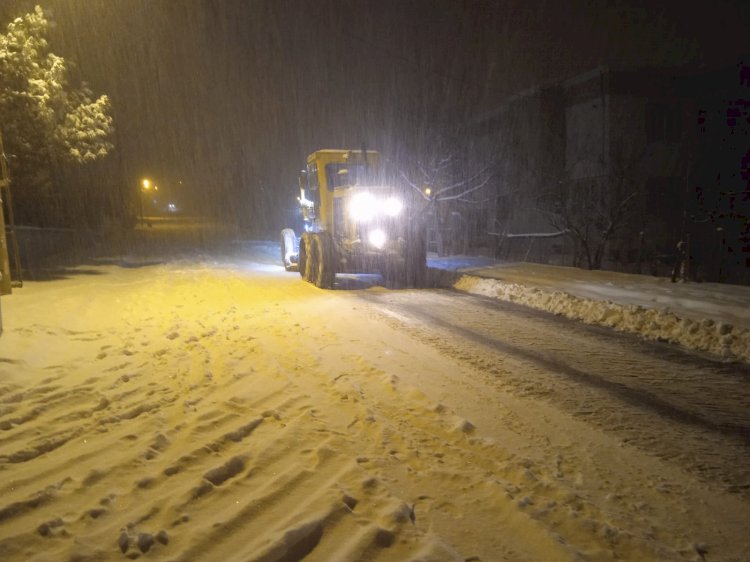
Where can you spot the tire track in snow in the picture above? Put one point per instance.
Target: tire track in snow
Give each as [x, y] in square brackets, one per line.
[599, 375]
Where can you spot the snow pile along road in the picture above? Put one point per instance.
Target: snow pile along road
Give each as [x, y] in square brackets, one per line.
[704, 317]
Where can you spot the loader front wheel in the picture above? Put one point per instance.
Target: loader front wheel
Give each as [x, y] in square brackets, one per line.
[307, 257]
[325, 271]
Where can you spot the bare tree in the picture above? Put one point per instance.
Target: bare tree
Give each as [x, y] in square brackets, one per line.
[441, 184]
[593, 210]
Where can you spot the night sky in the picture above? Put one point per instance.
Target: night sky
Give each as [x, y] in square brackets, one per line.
[230, 95]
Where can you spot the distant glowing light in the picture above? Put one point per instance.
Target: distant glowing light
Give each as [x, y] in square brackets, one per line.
[146, 184]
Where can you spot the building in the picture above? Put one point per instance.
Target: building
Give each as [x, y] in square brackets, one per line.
[612, 168]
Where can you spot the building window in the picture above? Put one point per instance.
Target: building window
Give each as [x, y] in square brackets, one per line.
[663, 123]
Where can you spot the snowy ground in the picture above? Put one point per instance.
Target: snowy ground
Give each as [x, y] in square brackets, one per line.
[214, 407]
[707, 317]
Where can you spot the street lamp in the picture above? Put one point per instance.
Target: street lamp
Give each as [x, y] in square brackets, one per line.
[145, 186]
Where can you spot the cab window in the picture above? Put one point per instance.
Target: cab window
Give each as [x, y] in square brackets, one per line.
[312, 177]
[341, 174]
[337, 175]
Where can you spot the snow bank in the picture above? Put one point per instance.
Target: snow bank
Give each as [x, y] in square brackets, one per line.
[715, 336]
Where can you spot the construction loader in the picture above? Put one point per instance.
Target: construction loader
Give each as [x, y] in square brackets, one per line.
[353, 223]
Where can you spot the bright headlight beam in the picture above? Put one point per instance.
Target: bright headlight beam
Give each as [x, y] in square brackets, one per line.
[363, 207]
[377, 238]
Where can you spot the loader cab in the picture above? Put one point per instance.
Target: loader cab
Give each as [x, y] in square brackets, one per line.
[329, 181]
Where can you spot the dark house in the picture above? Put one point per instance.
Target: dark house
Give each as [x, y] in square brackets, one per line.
[614, 167]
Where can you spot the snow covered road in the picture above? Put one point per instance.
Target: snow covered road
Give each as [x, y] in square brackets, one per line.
[674, 404]
[217, 408]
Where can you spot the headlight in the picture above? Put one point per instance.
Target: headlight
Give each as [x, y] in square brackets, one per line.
[377, 238]
[365, 206]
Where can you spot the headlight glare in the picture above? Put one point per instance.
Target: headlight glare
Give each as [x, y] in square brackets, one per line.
[377, 238]
[363, 207]
[392, 206]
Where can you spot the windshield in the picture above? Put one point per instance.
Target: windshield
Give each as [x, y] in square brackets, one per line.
[340, 174]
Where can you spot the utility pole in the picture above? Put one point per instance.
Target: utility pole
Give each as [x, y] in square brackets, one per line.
[5, 285]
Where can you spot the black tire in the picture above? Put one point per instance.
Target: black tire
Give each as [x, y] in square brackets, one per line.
[309, 270]
[304, 248]
[289, 247]
[325, 273]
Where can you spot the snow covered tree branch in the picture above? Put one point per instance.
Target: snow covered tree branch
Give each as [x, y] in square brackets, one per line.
[43, 117]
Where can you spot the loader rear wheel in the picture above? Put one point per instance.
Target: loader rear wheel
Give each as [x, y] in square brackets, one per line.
[306, 258]
[325, 263]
